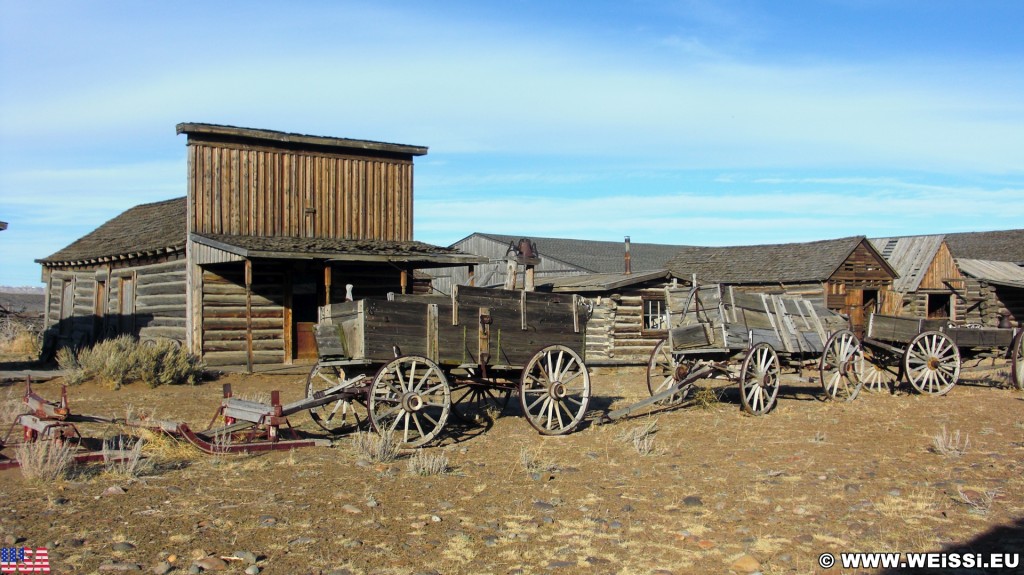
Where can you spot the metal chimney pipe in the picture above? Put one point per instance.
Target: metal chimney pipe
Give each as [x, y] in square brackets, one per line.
[629, 266]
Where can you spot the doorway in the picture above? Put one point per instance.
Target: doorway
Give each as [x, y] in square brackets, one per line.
[306, 297]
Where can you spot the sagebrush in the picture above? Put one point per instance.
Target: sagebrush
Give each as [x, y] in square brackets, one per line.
[19, 336]
[124, 359]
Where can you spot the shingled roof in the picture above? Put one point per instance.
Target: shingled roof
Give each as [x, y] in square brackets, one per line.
[764, 264]
[596, 256]
[1002, 246]
[337, 249]
[145, 230]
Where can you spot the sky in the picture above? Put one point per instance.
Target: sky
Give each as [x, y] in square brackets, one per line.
[725, 122]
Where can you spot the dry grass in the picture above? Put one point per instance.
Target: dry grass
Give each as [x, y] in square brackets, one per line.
[950, 444]
[423, 463]
[19, 337]
[379, 448]
[45, 461]
[642, 437]
[123, 458]
[706, 398]
[533, 463]
[979, 502]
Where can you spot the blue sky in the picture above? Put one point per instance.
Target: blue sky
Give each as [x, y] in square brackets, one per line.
[692, 122]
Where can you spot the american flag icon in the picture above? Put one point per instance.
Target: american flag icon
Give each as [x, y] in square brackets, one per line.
[24, 560]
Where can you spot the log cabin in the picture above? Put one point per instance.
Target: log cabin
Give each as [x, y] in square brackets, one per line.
[629, 316]
[273, 226]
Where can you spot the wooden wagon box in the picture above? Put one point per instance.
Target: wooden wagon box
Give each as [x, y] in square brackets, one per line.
[980, 336]
[900, 329]
[508, 326]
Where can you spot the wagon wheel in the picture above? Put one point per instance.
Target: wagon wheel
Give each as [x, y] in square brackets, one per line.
[1017, 361]
[876, 371]
[555, 390]
[932, 363]
[474, 400]
[341, 416]
[839, 366]
[410, 398]
[665, 370]
[759, 379]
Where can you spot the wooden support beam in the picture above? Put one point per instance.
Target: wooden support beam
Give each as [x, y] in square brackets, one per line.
[248, 315]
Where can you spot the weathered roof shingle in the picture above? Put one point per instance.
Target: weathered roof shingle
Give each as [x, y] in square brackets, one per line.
[764, 264]
[146, 229]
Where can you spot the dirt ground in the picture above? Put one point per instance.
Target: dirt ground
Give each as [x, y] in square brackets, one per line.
[720, 491]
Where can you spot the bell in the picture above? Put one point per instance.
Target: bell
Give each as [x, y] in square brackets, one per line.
[526, 249]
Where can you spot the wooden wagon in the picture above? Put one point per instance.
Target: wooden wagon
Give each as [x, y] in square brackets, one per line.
[720, 334]
[929, 353]
[406, 363]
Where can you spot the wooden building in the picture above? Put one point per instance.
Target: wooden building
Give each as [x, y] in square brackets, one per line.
[848, 274]
[274, 225]
[929, 282]
[560, 257]
[629, 314]
[991, 263]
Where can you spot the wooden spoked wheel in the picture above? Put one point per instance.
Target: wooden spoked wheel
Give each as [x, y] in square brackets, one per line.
[665, 370]
[555, 390]
[1017, 361]
[475, 401]
[341, 416]
[410, 399]
[839, 366]
[759, 379]
[932, 363]
[877, 371]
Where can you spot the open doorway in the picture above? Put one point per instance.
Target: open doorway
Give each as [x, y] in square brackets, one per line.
[306, 298]
[939, 306]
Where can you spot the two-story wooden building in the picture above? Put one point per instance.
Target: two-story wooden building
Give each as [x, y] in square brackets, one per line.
[274, 225]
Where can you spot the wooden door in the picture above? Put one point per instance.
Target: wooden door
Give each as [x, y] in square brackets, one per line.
[305, 300]
[855, 310]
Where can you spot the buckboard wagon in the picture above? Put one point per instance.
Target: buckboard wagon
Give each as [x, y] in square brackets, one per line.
[929, 353]
[408, 362]
[720, 333]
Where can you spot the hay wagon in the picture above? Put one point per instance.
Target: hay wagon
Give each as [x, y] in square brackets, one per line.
[929, 353]
[721, 336]
[405, 364]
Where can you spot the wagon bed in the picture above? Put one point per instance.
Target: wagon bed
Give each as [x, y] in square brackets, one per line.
[410, 360]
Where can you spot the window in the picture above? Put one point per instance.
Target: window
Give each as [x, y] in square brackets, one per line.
[655, 315]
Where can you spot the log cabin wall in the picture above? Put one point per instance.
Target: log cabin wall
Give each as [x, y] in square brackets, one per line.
[225, 325]
[615, 333]
[245, 189]
[862, 270]
[983, 303]
[144, 298]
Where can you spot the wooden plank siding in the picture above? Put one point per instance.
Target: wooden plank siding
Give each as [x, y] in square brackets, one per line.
[255, 191]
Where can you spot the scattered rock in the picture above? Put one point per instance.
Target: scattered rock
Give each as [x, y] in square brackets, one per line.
[435, 518]
[693, 501]
[119, 567]
[75, 542]
[349, 508]
[561, 564]
[267, 521]
[114, 490]
[161, 568]
[627, 508]
[352, 544]
[371, 502]
[10, 540]
[543, 505]
[615, 525]
[302, 541]
[490, 540]
[247, 556]
[252, 570]
[339, 572]
[706, 544]
[212, 564]
[745, 564]
[123, 546]
[195, 570]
